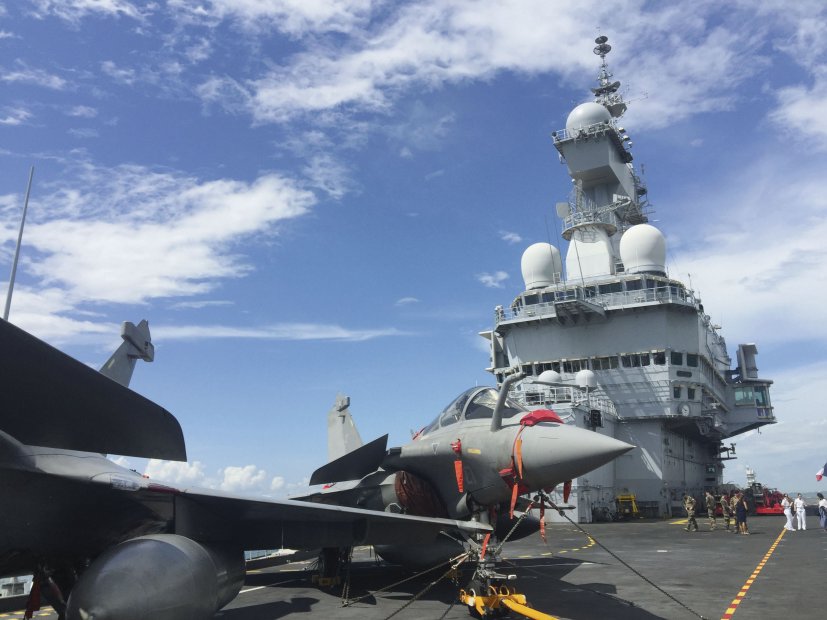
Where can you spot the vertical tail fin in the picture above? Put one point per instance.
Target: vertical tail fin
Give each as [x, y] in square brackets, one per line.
[137, 344]
[342, 436]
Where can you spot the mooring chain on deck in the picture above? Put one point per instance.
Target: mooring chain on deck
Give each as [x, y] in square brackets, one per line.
[635, 571]
[454, 562]
[425, 590]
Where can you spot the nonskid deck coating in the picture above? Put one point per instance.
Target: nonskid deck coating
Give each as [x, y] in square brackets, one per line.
[715, 574]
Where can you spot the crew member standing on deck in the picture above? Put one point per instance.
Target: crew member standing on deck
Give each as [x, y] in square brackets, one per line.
[741, 514]
[733, 505]
[822, 511]
[710, 510]
[689, 506]
[787, 504]
[800, 506]
[726, 513]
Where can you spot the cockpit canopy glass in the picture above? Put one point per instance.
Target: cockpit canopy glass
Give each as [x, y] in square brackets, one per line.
[474, 404]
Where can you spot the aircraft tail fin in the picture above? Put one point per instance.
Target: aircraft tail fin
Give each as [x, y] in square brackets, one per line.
[137, 344]
[53, 400]
[342, 436]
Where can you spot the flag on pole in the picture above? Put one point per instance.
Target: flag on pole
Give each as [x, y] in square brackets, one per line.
[820, 473]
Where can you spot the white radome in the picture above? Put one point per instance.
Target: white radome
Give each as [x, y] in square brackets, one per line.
[541, 265]
[643, 249]
[586, 379]
[550, 376]
[587, 114]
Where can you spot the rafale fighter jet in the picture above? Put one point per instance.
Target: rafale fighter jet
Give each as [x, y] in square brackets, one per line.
[472, 462]
[106, 543]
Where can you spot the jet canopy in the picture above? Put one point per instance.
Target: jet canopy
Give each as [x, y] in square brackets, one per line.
[476, 403]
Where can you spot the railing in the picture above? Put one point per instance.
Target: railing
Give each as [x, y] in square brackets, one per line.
[536, 395]
[582, 132]
[661, 294]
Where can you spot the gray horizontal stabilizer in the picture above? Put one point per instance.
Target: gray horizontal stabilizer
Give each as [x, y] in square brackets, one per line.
[353, 465]
[50, 399]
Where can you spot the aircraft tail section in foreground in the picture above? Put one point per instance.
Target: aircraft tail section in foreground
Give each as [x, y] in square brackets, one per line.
[53, 400]
[137, 344]
[342, 436]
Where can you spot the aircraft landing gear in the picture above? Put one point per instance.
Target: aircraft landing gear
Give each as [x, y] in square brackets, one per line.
[330, 564]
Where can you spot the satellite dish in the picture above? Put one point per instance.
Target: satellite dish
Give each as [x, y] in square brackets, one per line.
[601, 39]
[563, 210]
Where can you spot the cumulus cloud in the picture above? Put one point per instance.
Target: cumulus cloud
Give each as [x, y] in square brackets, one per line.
[802, 112]
[510, 237]
[492, 280]
[242, 479]
[176, 472]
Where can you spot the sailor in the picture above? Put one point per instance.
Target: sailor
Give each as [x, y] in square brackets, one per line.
[733, 503]
[725, 511]
[800, 506]
[710, 510]
[689, 506]
[787, 504]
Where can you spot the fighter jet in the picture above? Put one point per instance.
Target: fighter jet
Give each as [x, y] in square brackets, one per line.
[105, 542]
[474, 461]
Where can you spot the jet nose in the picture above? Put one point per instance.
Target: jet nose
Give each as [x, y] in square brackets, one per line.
[554, 453]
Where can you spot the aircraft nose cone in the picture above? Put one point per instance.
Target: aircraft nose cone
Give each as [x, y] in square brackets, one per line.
[555, 453]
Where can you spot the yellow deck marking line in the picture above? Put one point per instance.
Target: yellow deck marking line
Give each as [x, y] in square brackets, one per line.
[679, 522]
[733, 606]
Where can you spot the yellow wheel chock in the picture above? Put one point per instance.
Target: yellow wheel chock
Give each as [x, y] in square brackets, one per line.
[496, 598]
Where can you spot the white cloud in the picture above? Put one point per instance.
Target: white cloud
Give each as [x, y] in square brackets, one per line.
[282, 331]
[5, 34]
[510, 237]
[124, 76]
[493, 280]
[26, 75]
[83, 132]
[130, 213]
[82, 111]
[245, 478]
[326, 173]
[15, 116]
[406, 301]
[802, 112]
[74, 10]
[293, 17]
[176, 472]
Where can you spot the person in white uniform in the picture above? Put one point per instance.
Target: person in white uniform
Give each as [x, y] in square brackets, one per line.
[787, 504]
[822, 511]
[800, 505]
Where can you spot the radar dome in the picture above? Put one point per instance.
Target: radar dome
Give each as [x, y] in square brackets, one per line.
[541, 265]
[585, 379]
[643, 250]
[589, 113]
[550, 376]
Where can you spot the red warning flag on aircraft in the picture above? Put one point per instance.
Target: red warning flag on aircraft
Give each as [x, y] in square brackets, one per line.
[820, 473]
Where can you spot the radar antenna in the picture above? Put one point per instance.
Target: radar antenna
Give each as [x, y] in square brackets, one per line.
[606, 94]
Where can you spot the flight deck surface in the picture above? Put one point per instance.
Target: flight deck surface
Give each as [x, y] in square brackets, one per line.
[716, 574]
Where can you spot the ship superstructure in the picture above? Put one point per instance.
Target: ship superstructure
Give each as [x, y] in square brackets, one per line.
[617, 345]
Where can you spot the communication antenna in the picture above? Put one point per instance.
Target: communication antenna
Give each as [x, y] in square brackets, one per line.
[17, 249]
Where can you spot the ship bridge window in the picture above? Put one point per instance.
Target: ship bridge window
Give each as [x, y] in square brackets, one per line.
[575, 365]
[690, 393]
[677, 391]
[659, 358]
[692, 359]
[547, 298]
[613, 287]
[676, 359]
[761, 396]
[604, 363]
[483, 403]
[633, 285]
[635, 360]
[530, 300]
[744, 395]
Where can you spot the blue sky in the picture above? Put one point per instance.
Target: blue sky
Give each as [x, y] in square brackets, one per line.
[305, 197]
